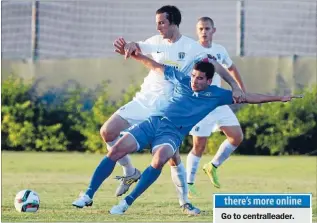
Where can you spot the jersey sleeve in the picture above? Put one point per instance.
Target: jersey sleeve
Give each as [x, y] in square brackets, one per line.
[172, 74]
[226, 59]
[149, 46]
[226, 97]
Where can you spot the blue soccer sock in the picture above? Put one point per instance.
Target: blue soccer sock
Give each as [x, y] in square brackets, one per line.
[148, 177]
[103, 171]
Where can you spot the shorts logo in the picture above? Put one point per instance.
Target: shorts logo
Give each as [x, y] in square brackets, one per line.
[181, 55]
[197, 129]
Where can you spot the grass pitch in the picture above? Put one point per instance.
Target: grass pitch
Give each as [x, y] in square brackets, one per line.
[59, 177]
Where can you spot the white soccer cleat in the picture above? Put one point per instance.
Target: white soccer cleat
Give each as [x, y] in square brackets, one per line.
[120, 208]
[126, 182]
[82, 201]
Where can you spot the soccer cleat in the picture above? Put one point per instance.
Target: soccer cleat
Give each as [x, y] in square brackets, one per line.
[120, 208]
[192, 192]
[211, 172]
[82, 201]
[126, 182]
[190, 210]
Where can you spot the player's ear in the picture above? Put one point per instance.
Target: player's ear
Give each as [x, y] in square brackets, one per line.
[209, 81]
[214, 30]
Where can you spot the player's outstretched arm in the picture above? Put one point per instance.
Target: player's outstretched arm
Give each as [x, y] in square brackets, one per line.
[253, 98]
[148, 62]
[120, 44]
[234, 72]
[224, 74]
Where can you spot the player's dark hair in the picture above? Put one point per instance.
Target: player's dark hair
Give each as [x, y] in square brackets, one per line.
[205, 67]
[205, 19]
[173, 15]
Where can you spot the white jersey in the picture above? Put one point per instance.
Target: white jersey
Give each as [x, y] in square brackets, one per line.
[155, 90]
[220, 54]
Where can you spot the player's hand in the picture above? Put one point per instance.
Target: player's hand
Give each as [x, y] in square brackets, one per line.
[238, 96]
[119, 45]
[131, 48]
[290, 97]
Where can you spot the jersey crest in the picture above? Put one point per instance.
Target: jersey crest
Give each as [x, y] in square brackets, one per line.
[181, 55]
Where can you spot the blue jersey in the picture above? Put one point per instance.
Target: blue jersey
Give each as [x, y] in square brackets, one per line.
[186, 108]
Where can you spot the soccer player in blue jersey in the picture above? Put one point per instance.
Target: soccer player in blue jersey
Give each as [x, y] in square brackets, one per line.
[193, 98]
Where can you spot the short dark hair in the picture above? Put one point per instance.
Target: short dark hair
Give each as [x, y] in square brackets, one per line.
[205, 67]
[173, 15]
[205, 19]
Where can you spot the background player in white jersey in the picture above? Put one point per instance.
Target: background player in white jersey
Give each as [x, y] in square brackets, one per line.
[222, 118]
[176, 50]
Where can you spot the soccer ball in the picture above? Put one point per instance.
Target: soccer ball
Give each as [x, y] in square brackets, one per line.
[27, 201]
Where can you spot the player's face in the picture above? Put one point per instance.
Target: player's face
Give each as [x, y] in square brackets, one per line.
[205, 31]
[199, 81]
[163, 26]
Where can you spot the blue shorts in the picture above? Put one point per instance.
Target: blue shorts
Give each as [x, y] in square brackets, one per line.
[156, 131]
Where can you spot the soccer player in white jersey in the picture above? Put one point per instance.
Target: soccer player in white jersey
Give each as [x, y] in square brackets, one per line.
[153, 96]
[222, 118]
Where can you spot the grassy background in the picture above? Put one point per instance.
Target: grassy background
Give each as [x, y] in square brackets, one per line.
[59, 177]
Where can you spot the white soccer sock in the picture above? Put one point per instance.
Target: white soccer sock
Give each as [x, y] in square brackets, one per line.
[179, 179]
[223, 153]
[191, 167]
[125, 162]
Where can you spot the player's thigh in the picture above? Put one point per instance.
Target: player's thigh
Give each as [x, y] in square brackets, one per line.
[226, 117]
[125, 145]
[234, 134]
[164, 146]
[111, 129]
[229, 124]
[130, 114]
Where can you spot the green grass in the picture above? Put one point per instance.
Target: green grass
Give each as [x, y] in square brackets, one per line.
[58, 178]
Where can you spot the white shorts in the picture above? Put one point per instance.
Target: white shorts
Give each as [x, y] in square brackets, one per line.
[221, 116]
[134, 112]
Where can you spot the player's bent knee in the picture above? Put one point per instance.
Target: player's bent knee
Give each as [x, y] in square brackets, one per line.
[125, 145]
[236, 137]
[161, 156]
[108, 134]
[112, 128]
[102, 132]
